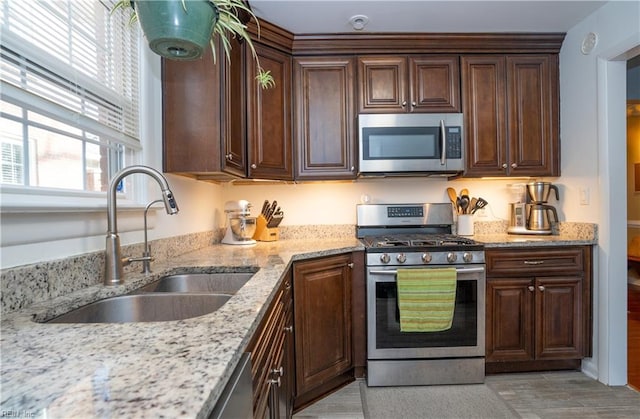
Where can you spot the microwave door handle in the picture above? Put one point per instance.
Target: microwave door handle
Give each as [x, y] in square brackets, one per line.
[443, 143]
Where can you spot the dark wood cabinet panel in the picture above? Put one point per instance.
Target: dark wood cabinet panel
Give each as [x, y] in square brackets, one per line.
[191, 115]
[398, 84]
[434, 83]
[269, 117]
[509, 332]
[234, 110]
[538, 308]
[558, 325]
[511, 115]
[272, 357]
[322, 319]
[324, 118]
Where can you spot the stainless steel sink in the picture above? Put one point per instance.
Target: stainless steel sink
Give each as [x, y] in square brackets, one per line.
[145, 308]
[218, 282]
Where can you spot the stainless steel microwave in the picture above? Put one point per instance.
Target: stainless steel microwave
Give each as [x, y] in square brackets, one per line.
[411, 144]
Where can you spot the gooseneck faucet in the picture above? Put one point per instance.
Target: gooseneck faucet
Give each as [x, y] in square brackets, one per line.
[114, 263]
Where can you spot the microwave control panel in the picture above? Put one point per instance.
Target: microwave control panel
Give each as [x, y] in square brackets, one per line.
[454, 142]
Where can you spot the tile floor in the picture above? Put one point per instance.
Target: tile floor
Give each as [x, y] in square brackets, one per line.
[532, 395]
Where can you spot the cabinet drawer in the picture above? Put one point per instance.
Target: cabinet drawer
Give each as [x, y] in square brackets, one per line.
[535, 261]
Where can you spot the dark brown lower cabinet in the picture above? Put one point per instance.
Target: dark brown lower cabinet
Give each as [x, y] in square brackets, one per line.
[538, 313]
[323, 326]
[272, 362]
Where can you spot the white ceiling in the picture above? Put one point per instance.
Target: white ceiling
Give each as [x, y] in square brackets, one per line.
[332, 16]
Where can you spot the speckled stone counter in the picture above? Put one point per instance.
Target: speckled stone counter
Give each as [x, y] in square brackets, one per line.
[567, 234]
[161, 369]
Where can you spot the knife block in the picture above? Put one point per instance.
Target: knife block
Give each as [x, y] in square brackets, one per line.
[264, 233]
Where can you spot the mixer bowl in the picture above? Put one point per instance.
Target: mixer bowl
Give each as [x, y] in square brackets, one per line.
[243, 228]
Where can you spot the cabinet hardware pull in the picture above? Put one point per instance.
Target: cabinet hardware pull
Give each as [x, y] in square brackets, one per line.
[504, 165]
[404, 103]
[532, 288]
[279, 371]
[253, 166]
[414, 104]
[288, 329]
[514, 165]
[229, 156]
[276, 381]
[287, 285]
[533, 262]
[540, 287]
[350, 265]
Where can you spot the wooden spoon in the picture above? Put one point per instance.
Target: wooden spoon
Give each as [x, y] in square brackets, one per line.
[453, 196]
[464, 191]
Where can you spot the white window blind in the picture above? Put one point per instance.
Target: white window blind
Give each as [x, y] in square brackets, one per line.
[69, 93]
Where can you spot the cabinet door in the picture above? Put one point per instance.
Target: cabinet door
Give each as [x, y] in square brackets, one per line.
[532, 93]
[191, 115]
[434, 83]
[269, 117]
[559, 318]
[322, 319]
[324, 122]
[509, 320]
[235, 102]
[383, 84]
[485, 115]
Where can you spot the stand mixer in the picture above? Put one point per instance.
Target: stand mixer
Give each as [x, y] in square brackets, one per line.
[240, 225]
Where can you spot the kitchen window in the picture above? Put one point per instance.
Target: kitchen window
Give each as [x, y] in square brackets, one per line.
[69, 105]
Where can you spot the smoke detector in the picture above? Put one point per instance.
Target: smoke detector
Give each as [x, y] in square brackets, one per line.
[358, 22]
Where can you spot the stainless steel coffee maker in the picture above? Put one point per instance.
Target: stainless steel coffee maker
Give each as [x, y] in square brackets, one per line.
[539, 211]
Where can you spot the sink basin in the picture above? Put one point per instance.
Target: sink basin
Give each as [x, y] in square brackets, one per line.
[145, 308]
[218, 282]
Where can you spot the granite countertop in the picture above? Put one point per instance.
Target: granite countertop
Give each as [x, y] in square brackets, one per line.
[170, 369]
[159, 369]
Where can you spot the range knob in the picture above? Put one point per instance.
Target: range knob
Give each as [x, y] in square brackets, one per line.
[426, 257]
[467, 256]
[402, 258]
[384, 258]
[451, 257]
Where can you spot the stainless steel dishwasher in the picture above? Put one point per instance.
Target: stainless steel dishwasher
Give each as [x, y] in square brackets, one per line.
[236, 400]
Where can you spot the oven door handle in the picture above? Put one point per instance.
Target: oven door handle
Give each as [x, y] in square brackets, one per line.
[458, 270]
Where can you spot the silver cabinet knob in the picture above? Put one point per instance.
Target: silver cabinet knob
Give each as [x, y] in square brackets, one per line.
[229, 156]
[288, 329]
[541, 288]
[404, 103]
[279, 371]
[514, 165]
[532, 288]
[414, 104]
[504, 165]
[253, 166]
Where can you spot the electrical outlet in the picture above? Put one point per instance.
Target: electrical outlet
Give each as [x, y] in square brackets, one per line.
[584, 196]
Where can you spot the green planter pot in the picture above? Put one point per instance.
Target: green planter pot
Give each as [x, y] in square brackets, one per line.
[174, 32]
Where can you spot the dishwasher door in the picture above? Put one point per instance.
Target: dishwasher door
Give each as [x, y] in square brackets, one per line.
[236, 400]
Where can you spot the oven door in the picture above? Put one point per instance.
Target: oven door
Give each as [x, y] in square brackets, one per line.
[465, 338]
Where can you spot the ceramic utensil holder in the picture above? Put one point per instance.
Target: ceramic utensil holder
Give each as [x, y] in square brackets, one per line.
[465, 225]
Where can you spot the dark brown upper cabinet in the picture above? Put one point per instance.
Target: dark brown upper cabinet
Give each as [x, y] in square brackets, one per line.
[398, 84]
[269, 139]
[511, 110]
[191, 116]
[324, 118]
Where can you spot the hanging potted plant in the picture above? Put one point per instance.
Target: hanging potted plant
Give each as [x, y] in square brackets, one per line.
[181, 29]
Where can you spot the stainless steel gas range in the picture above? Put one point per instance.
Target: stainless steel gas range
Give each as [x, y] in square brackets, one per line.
[419, 236]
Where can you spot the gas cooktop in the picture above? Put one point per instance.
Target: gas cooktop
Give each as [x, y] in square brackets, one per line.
[418, 242]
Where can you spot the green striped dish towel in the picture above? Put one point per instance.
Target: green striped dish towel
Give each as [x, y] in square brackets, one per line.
[426, 299]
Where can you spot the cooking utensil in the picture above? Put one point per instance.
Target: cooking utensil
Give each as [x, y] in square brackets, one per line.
[472, 205]
[453, 197]
[464, 191]
[479, 205]
[464, 203]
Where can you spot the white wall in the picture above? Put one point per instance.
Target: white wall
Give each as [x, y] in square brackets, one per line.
[593, 155]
